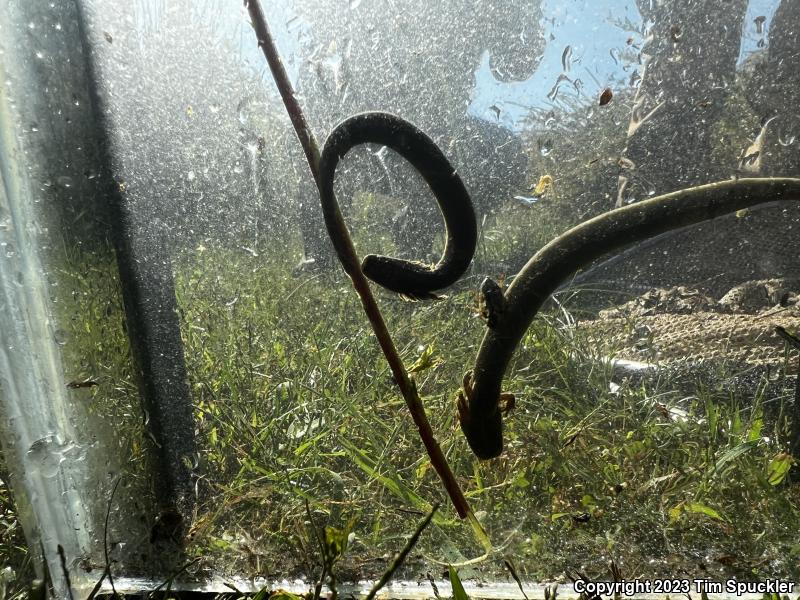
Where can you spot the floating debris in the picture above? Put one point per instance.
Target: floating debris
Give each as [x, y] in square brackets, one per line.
[554, 91]
[76, 385]
[566, 59]
[545, 183]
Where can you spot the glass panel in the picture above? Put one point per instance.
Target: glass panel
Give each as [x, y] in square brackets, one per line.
[72, 421]
[654, 421]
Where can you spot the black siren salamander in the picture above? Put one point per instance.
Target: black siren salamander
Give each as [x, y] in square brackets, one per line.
[481, 400]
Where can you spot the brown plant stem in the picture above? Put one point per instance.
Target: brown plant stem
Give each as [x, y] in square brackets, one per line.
[353, 267]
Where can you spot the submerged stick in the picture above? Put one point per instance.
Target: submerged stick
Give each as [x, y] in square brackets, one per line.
[513, 312]
[347, 254]
[401, 556]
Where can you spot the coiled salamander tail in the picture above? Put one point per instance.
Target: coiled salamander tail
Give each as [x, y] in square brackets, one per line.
[408, 278]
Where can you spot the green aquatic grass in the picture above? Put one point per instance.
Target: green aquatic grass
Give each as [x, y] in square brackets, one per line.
[296, 405]
[301, 428]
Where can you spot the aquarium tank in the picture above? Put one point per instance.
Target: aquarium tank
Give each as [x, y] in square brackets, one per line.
[400, 298]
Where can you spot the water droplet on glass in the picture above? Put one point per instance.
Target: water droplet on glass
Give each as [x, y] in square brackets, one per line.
[65, 181]
[46, 455]
[759, 21]
[190, 175]
[545, 147]
[40, 55]
[31, 25]
[57, 26]
[60, 336]
[787, 141]
[354, 4]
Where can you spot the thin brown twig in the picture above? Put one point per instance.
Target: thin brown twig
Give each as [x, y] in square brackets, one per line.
[63, 557]
[105, 539]
[401, 556]
[311, 148]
